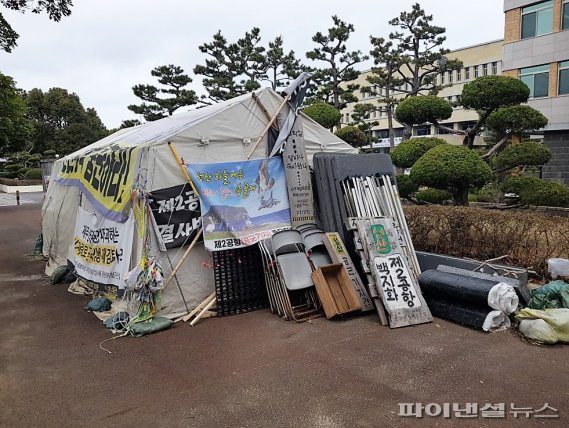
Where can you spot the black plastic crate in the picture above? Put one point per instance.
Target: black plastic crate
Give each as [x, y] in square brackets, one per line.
[239, 281]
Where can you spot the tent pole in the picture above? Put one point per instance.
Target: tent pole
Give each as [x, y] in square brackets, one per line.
[262, 107]
[182, 167]
[267, 127]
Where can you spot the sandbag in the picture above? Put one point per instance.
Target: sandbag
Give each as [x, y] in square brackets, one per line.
[558, 320]
[153, 325]
[118, 321]
[550, 296]
[99, 304]
[58, 274]
[538, 331]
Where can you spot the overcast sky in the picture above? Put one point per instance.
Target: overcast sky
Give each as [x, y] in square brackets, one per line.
[106, 46]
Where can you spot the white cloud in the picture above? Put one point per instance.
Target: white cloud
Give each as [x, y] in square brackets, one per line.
[105, 47]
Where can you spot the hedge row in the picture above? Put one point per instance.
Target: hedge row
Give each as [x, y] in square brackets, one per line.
[528, 239]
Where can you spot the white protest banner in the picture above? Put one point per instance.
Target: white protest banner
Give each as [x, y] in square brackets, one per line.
[101, 248]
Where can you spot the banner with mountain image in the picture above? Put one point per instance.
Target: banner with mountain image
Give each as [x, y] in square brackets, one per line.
[241, 202]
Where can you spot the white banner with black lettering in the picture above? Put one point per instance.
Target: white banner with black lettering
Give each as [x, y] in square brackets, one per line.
[101, 248]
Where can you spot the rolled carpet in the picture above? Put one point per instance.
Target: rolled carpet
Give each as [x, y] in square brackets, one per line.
[473, 316]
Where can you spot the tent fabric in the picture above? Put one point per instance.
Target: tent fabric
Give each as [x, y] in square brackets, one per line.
[221, 132]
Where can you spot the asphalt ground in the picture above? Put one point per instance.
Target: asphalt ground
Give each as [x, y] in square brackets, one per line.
[252, 369]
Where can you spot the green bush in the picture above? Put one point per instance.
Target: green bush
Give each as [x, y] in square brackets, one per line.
[526, 153]
[550, 194]
[23, 170]
[406, 186]
[409, 151]
[433, 196]
[489, 193]
[13, 167]
[49, 153]
[34, 158]
[519, 184]
[423, 108]
[7, 174]
[323, 113]
[352, 135]
[452, 168]
[33, 174]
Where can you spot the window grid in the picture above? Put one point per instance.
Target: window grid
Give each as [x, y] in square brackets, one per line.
[537, 80]
[485, 69]
[495, 68]
[537, 19]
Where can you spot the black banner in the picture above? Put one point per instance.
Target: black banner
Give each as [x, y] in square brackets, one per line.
[177, 214]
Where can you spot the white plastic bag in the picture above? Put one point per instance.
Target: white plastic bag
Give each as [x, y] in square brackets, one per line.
[538, 331]
[558, 267]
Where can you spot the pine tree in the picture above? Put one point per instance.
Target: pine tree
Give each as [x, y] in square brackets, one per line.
[156, 105]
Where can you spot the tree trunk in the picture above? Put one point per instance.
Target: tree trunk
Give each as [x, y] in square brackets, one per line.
[460, 197]
[390, 127]
[407, 132]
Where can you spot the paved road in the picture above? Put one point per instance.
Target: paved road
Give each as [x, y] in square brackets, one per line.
[247, 370]
[9, 199]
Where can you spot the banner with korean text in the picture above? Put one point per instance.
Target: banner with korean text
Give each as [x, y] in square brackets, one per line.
[241, 202]
[176, 211]
[106, 176]
[101, 248]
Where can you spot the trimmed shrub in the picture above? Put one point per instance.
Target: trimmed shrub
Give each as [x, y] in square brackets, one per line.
[518, 184]
[323, 113]
[526, 153]
[433, 196]
[34, 158]
[489, 193]
[528, 239]
[33, 174]
[22, 171]
[550, 194]
[452, 168]
[423, 108]
[13, 167]
[352, 135]
[406, 186]
[49, 153]
[409, 151]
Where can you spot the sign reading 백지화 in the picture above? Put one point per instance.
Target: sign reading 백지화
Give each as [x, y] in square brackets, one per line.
[395, 282]
[106, 176]
[101, 248]
[241, 202]
[176, 211]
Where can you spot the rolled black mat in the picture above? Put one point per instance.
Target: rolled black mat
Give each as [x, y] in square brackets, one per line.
[456, 288]
[473, 316]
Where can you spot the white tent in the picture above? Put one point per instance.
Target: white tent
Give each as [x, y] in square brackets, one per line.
[222, 132]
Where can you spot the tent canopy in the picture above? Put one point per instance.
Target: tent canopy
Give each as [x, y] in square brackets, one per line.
[221, 132]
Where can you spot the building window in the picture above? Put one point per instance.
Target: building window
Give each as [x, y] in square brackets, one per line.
[495, 68]
[485, 69]
[442, 131]
[466, 125]
[382, 133]
[398, 132]
[423, 130]
[466, 73]
[459, 75]
[565, 18]
[537, 19]
[442, 78]
[563, 78]
[450, 76]
[475, 71]
[537, 80]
